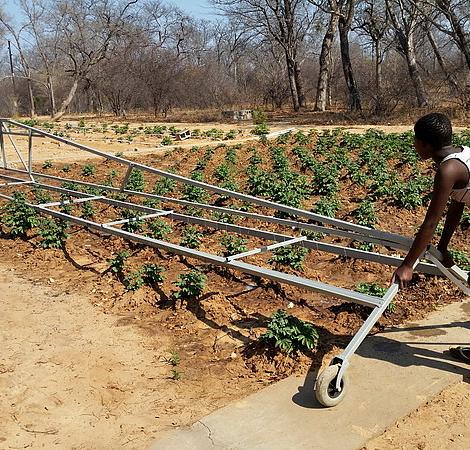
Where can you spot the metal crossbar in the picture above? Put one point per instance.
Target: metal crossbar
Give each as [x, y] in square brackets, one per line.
[316, 223]
[266, 248]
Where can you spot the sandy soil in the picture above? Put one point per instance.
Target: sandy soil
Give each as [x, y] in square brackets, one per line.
[72, 377]
[443, 423]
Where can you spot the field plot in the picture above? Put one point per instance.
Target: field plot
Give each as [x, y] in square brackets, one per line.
[213, 317]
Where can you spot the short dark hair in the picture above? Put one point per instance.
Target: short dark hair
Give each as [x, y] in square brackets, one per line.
[434, 129]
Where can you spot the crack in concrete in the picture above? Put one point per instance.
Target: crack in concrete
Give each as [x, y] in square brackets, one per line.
[210, 432]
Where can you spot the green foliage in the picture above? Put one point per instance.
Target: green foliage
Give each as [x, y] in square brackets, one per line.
[191, 238]
[41, 195]
[461, 259]
[167, 140]
[136, 181]
[47, 164]
[301, 138]
[116, 264]
[152, 274]
[191, 285]
[324, 179]
[159, 229]
[164, 186]
[195, 194]
[375, 290]
[291, 256]
[18, 216]
[66, 168]
[327, 206]
[174, 358]
[53, 233]
[88, 170]
[233, 245]
[134, 281]
[371, 289]
[88, 210]
[290, 334]
[176, 374]
[222, 172]
[260, 130]
[231, 134]
[135, 224]
[259, 117]
[365, 214]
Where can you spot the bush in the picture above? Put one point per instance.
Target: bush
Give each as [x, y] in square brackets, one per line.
[191, 285]
[135, 224]
[291, 256]
[191, 238]
[88, 170]
[233, 245]
[18, 216]
[290, 334]
[260, 130]
[152, 274]
[53, 233]
[136, 181]
[159, 229]
[259, 117]
[116, 264]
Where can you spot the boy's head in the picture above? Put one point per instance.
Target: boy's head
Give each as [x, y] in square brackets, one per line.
[432, 132]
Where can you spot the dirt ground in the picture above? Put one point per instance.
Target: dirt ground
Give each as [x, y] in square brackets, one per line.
[443, 423]
[73, 377]
[93, 359]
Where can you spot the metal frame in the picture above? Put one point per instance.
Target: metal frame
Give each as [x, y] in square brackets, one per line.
[322, 224]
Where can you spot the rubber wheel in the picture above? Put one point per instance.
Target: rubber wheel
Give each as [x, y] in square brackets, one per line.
[326, 392]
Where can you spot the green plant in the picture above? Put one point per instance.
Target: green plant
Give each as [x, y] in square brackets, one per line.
[461, 259]
[290, 334]
[327, 206]
[164, 186]
[158, 229]
[167, 140]
[134, 281]
[136, 181]
[88, 210]
[291, 255]
[18, 216]
[134, 224]
[53, 233]
[191, 285]
[116, 264]
[233, 245]
[41, 195]
[47, 164]
[174, 359]
[176, 374]
[191, 238]
[88, 170]
[375, 290]
[259, 117]
[66, 168]
[365, 214]
[81, 123]
[152, 274]
[260, 130]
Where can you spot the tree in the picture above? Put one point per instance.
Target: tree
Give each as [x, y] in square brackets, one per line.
[280, 22]
[405, 19]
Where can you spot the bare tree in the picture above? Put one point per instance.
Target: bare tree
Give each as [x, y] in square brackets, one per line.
[405, 19]
[281, 22]
[89, 29]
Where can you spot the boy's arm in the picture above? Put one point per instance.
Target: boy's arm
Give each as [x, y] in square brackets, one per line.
[454, 214]
[443, 183]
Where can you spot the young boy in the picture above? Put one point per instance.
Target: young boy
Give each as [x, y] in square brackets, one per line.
[433, 139]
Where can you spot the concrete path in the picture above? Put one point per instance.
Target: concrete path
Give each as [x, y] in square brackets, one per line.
[393, 374]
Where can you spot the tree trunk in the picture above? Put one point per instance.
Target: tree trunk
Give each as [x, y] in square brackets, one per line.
[407, 45]
[67, 101]
[321, 98]
[292, 83]
[354, 96]
[50, 87]
[449, 76]
[299, 85]
[31, 97]
[378, 68]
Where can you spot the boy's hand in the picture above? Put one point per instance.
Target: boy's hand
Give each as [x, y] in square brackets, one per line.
[403, 275]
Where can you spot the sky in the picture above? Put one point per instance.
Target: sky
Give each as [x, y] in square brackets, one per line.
[198, 8]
